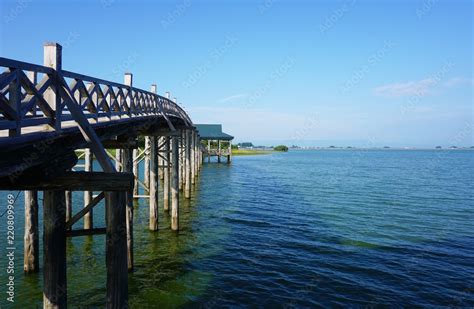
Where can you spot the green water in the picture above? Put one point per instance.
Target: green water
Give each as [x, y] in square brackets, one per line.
[297, 229]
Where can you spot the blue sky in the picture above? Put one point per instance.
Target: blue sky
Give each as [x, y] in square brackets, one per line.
[363, 73]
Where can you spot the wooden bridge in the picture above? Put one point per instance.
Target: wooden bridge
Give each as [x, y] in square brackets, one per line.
[48, 116]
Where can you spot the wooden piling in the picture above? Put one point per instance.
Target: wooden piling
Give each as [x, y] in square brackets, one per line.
[187, 181]
[68, 205]
[54, 247]
[160, 159]
[181, 160]
[193, 157]
[127, 166]
[166, 173]
[208, 151]
[31, 239]
[196, 154]
[175, 184]
[146, 175]
[153, 202]
[118, 160]
[116, 250]
[218, 151]
[135, 172]
[88, 167]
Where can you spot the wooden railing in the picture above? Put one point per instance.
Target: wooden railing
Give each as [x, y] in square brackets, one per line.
[36, 98]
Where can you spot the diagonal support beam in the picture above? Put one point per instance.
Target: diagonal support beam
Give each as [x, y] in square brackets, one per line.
[85, 210]
[85, 127]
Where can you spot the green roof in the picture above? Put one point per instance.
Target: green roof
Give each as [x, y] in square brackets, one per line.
[212, 131]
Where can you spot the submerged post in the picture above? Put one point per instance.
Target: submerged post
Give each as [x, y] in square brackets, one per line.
[54, 247]
[127, 167]
[68, 205]
[153, 201]
[88, 167]
[31, 239]
[187, 181]
[161, 143]
[208, 151]
[166, 174]
[116, 250]
[146, 175]
[135, 172]
[175, 184]
[229, 155]
[181, 160]
[193, 157]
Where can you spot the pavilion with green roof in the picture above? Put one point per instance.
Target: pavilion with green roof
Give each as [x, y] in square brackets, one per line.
[218, 143]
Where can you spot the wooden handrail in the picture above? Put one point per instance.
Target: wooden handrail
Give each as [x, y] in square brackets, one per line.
[101, 99]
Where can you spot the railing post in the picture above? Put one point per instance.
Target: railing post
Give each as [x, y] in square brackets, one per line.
[88, 167]
[14, 90]
[53, 59]
[33, 77]
[175, 184]
[128, 81]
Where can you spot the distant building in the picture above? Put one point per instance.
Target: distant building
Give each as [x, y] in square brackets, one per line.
[246, 145]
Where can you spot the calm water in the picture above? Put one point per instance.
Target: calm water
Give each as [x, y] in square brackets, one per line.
[298, 229]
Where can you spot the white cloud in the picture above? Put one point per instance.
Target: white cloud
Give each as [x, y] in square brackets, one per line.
[233, 97]
[408, 89]
[459, 81]
[420, 88]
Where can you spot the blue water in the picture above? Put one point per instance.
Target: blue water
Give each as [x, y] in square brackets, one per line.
[297, 229]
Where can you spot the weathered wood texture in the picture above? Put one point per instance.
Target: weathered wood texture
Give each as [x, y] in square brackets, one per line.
[116, 250]
[31, 238]
[187, 175]
[88, 167]
[54, 247]
[127, 166]
[84, 211]
[175, 184]
[135, 172]
[166, 174]
[75, 181]
[88, 232]
[153, 202]
[146, 169]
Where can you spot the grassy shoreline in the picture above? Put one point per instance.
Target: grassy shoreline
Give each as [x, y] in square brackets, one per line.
[250, 152]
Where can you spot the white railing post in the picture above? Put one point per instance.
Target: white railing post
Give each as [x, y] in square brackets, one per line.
[128, 81]
[53, 59]
[154, 90]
